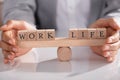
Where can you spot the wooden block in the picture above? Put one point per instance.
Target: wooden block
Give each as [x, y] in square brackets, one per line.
[41, 34]
[92, 33]
[61, 42]
[22, 35]
[83, 33]
[31, 35]
[73, 33]
[50, 34]
[64, 53]
[101, 33]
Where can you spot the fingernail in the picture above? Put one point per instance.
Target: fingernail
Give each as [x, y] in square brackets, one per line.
[107, 54]
[106, 48]
[15, 49]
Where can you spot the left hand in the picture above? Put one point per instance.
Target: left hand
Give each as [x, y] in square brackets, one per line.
[111, 47]
[10, 48]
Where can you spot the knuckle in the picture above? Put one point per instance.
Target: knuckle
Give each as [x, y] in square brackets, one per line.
[6, 36]
[10, 21]
[114, 46]
[23, 22]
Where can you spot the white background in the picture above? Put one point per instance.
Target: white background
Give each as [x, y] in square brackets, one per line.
[84, 65]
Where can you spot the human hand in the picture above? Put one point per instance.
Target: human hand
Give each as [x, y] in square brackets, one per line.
[9, 46]
[111, 47]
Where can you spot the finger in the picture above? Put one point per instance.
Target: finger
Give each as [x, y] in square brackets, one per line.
[8, 55]
[97, 50]
[17, 25]
[6, 61]
[101, 23]
[111, 22]
[111, 59]
[116, 23]
[13, 25]
[8, 47]
[114, 38]
[109, 53]
[105, 23]
[9, 37]
[109, 47]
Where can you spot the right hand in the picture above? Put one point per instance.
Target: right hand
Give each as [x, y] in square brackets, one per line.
[8, 44]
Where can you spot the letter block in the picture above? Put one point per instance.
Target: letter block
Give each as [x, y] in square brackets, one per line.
[73, 33]
[101, 33]
[41, 35]
[92, 33]
[31, 35]
[50, 34]
[83, 33]
[22, 35]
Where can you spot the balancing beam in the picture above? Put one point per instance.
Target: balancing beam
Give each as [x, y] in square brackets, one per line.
[77, 37]
[61, 42]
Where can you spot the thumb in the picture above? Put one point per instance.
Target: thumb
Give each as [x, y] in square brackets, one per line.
[17, 25]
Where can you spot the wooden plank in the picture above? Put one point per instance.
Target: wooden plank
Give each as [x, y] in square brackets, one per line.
[61, 42]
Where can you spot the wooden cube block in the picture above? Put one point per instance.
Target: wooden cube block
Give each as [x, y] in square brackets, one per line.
[101, 33]
[73, 33]
[22, 35]
[41, 34]
[83, 33]
[64, 53]
[31, 35]
[92, 33]
[50, 34]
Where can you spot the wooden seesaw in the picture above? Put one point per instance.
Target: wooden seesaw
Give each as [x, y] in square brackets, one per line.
[77, 37]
